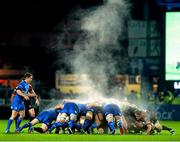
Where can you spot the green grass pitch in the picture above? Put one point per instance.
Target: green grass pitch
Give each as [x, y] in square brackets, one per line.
[24, 136]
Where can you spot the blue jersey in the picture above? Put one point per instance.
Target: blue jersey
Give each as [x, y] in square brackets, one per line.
[48, 116]
[18, 101]
[70, 108]
[111, 109]
[83, 109]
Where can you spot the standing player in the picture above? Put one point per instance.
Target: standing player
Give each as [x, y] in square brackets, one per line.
[29, 104]
[18, 106]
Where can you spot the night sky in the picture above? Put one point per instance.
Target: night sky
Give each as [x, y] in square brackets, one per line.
[41, 17]
[32, 17]
[37, 16]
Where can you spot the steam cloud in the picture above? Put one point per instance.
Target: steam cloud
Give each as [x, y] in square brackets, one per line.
[94, 53]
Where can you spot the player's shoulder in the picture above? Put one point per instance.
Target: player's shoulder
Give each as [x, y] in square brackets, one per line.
[22, 82]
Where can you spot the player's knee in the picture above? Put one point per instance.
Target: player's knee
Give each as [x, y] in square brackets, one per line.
[82, 119]
[73, 117]
[44, 127]
[62, 117]
[109, 118]
[89, 115]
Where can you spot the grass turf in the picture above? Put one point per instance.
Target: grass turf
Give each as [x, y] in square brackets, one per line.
[24, 136]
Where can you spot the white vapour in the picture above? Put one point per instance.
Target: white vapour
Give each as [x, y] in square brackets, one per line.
[93, 53]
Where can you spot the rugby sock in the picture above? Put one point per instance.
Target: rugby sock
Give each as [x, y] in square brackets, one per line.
[120, 125]
[9, 123]
[57, 130]
[19, 120]
[71, 123]
[54, 125]
[86, 123]
[26, 125]
[77, 125]
[94, 125]
[166, 128]
[111, 126]
[38, 129]
[64, 125]
[121, 130]
[16, 123]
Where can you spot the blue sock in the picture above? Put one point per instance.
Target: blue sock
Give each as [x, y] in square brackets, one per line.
[16, 123]
[54, 125]
[64, 125]
[19, 120]
[77, 126]
[71, 123]
[86, 123]
[25, 126]
[94, 125]
[111, 126]
[9, 123]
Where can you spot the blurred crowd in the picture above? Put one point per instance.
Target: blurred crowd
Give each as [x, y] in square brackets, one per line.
[156, 97]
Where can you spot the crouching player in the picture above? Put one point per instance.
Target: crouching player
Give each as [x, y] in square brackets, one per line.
[86, 114]
[113, 114]
[46, 118]
[69, 110]
[156, 124]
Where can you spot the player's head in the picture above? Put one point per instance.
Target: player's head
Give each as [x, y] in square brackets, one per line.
[138, 114]
[28, 77]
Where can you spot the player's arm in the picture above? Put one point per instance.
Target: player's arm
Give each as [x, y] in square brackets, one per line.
[20, 93]
[31, 92]
[148, 123]
[149, 128]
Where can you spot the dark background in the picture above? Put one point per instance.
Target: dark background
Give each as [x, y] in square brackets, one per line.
[17, 17]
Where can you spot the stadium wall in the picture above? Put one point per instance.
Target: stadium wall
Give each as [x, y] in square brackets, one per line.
[168, 112]
[163, 112]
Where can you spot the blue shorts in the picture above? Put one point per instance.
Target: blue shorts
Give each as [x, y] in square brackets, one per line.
[47, 117]
[70, 108]
[111, 109]
[18, 104]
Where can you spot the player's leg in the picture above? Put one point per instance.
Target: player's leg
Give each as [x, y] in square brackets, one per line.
[20, 118]
[16, 121]
[89, 117]
[31, 112]
[111, 124]
[169, 129]
[29, 125]
[72, 121]
[98, 118]
[120, 124]
[10, 120]
[61, 119]
[42, 129]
